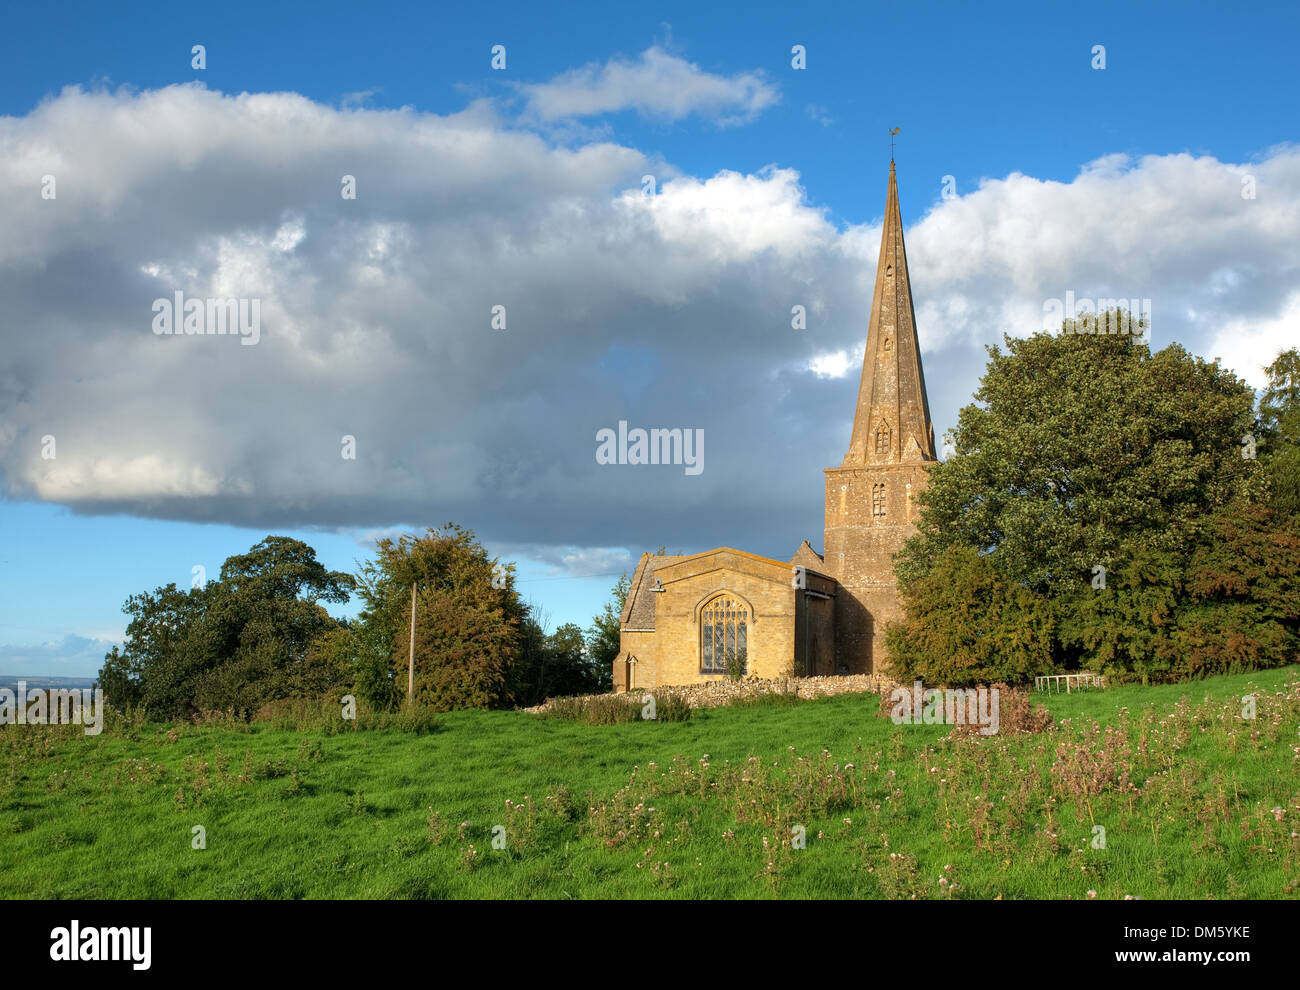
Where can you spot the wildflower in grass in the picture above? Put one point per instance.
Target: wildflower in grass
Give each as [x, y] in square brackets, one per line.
[1092, 895]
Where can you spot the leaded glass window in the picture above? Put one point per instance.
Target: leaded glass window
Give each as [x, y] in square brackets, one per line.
[724, 636]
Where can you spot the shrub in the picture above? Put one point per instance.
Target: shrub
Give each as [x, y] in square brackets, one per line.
[736, 661]
[1016, 714]
[967, 623]
[614, 709]
[605, 709]
[672, 707]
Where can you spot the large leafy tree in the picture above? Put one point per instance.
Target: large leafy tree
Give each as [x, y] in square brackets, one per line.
[1077, 450]
[1104, 479]
[238, 641]
[468, 617]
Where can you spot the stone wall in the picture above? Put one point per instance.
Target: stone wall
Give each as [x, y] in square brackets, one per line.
[717, 693]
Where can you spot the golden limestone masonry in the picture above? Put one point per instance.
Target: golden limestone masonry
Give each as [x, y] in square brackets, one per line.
[703, 617]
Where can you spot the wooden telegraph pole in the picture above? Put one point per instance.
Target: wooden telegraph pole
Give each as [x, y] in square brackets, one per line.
[410, 667]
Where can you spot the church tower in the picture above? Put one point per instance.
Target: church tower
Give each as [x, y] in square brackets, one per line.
[869, 498]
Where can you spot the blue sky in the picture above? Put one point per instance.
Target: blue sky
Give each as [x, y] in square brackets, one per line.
[770, 187]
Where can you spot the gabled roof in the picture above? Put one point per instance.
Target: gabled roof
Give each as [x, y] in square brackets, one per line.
[807, 556]
[639, 611]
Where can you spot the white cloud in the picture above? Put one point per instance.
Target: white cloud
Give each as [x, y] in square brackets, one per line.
[1173, 229]
[819, 114]
[570, 561]
[1248, 345]
[656, 84]
[837, 364]
[670, 310]
[368, 539]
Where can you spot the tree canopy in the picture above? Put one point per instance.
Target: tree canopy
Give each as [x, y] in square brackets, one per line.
[468, 617]
[1115, 486]
[232, 643]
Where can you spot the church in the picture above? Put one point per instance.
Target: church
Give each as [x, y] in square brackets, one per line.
[707, 616]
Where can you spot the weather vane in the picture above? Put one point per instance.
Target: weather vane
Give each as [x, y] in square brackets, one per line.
[892, 132]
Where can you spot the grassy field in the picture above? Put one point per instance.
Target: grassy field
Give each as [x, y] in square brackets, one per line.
[1195, 802]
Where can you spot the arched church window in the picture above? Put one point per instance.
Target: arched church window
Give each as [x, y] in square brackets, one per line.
[724, 636]
[878, 501]
[882, 438]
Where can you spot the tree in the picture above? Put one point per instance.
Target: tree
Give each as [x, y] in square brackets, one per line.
[603, 635]
[968, 624]
[156, 667]
[468, 617]
[555, 664]
[349, 658]
[1279, 420]
[465, 643]
[571, 669]
[528, 674]
[232, 644]
[1093, 474]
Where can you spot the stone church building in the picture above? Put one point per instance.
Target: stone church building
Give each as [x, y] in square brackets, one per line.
[688, 617]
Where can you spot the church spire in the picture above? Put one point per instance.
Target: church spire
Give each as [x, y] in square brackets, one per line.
[892, 422]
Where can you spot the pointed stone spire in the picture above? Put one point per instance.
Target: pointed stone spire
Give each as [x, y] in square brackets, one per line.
[892, 422]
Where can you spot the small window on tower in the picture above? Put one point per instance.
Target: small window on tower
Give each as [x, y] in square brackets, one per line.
[878, 501]
[882, 438]
[889, 271]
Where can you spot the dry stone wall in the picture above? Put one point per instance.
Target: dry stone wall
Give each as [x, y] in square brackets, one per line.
[716, 693]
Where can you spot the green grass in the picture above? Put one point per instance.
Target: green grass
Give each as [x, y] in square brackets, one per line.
[313, 815]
